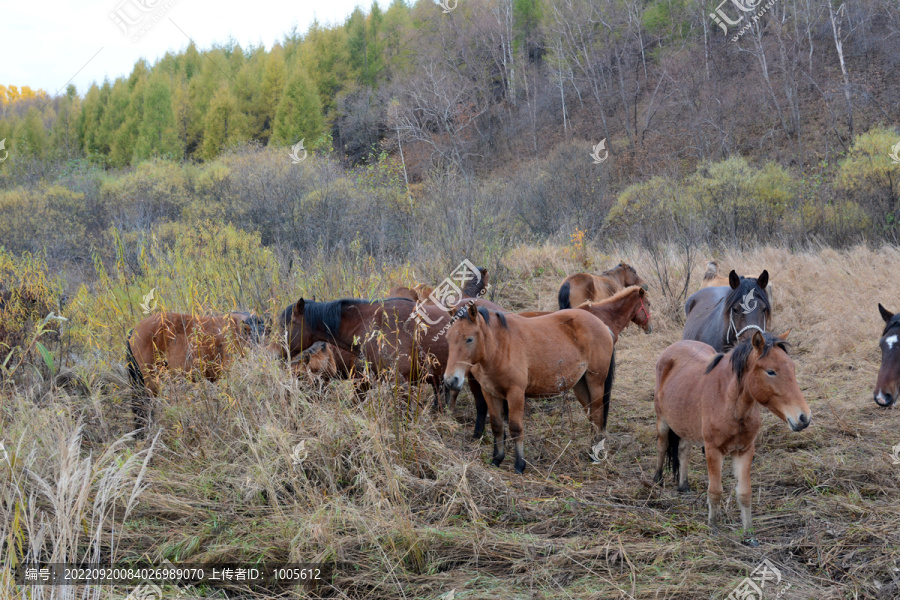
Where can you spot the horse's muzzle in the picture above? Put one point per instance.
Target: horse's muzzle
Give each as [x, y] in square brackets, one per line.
[802, 423]
[454, 383]
[883, 399]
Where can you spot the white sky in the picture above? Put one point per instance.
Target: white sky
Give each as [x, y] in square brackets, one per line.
[48, 42]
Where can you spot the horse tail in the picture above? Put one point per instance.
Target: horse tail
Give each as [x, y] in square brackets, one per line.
[672, 461]
[607, 385]
[134, 369]
[564, 296]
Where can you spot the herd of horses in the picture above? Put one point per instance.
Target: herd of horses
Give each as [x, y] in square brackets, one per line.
[710, 386]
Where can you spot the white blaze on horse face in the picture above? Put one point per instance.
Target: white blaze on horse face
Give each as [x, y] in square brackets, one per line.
[890, 341]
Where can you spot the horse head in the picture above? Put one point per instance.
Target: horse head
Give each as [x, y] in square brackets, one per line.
[466, 343]
[888, 384]
[768, 374]
[746, 308]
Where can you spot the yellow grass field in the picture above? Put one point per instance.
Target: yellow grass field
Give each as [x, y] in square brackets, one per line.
[408, 503]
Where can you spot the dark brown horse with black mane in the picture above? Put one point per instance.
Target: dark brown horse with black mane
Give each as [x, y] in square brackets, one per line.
[887, 386]
[584, 287]
[720, 316]
[386, 333]
[198, 346]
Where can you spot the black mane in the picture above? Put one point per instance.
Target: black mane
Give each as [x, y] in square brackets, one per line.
[741, 353]
[462, 311]
[322, 316]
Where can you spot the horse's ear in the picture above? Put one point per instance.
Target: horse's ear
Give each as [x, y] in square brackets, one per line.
[298, 308]
[758, 341]
[783, 336]
[472, 313]
[642, 292]
[885, 313]
[733, 280]
[763, 280]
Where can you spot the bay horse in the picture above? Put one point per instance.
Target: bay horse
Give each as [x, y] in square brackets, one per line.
[582, 287]
[512, 357]
[720, 315]
[887, 385]
[630, 305]
[199, 346]
[714, 399]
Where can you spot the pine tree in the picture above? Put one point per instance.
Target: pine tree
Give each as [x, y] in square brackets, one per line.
[157, 135]
[299, 114]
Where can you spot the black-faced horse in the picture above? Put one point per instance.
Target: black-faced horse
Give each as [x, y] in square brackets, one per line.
[720, 316]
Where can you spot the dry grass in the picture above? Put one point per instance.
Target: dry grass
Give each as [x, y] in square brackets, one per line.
[410, 501]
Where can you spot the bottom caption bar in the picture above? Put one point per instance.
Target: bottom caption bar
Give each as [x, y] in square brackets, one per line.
[259, 574]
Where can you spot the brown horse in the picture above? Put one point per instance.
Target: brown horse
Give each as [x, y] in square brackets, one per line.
[713, 399]
[327, 360]
[473, 288]
[201, 346]
[418, 292]
[712, 278]
[888, 384]
[584, 287]
[512, 357]
[720, 315]
[630, 305]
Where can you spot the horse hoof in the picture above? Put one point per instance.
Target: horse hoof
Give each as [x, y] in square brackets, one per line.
[497, 461]
[684, 488]
[752, 542]
[657, 478]
[520, 469]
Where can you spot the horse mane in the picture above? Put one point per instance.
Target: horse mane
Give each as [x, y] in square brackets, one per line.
[738, 293]
[740, 354]
[615, 297]
[325, 315]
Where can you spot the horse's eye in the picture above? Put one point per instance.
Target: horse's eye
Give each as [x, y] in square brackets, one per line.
[470, 340]
[770, 373]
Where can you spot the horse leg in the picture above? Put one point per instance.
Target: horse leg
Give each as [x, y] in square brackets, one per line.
[714, 492]
[516, 404]
[662, 445]
[741, 466]
[498, 430]
[684, 455]
[583, 394]
[481, 407]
